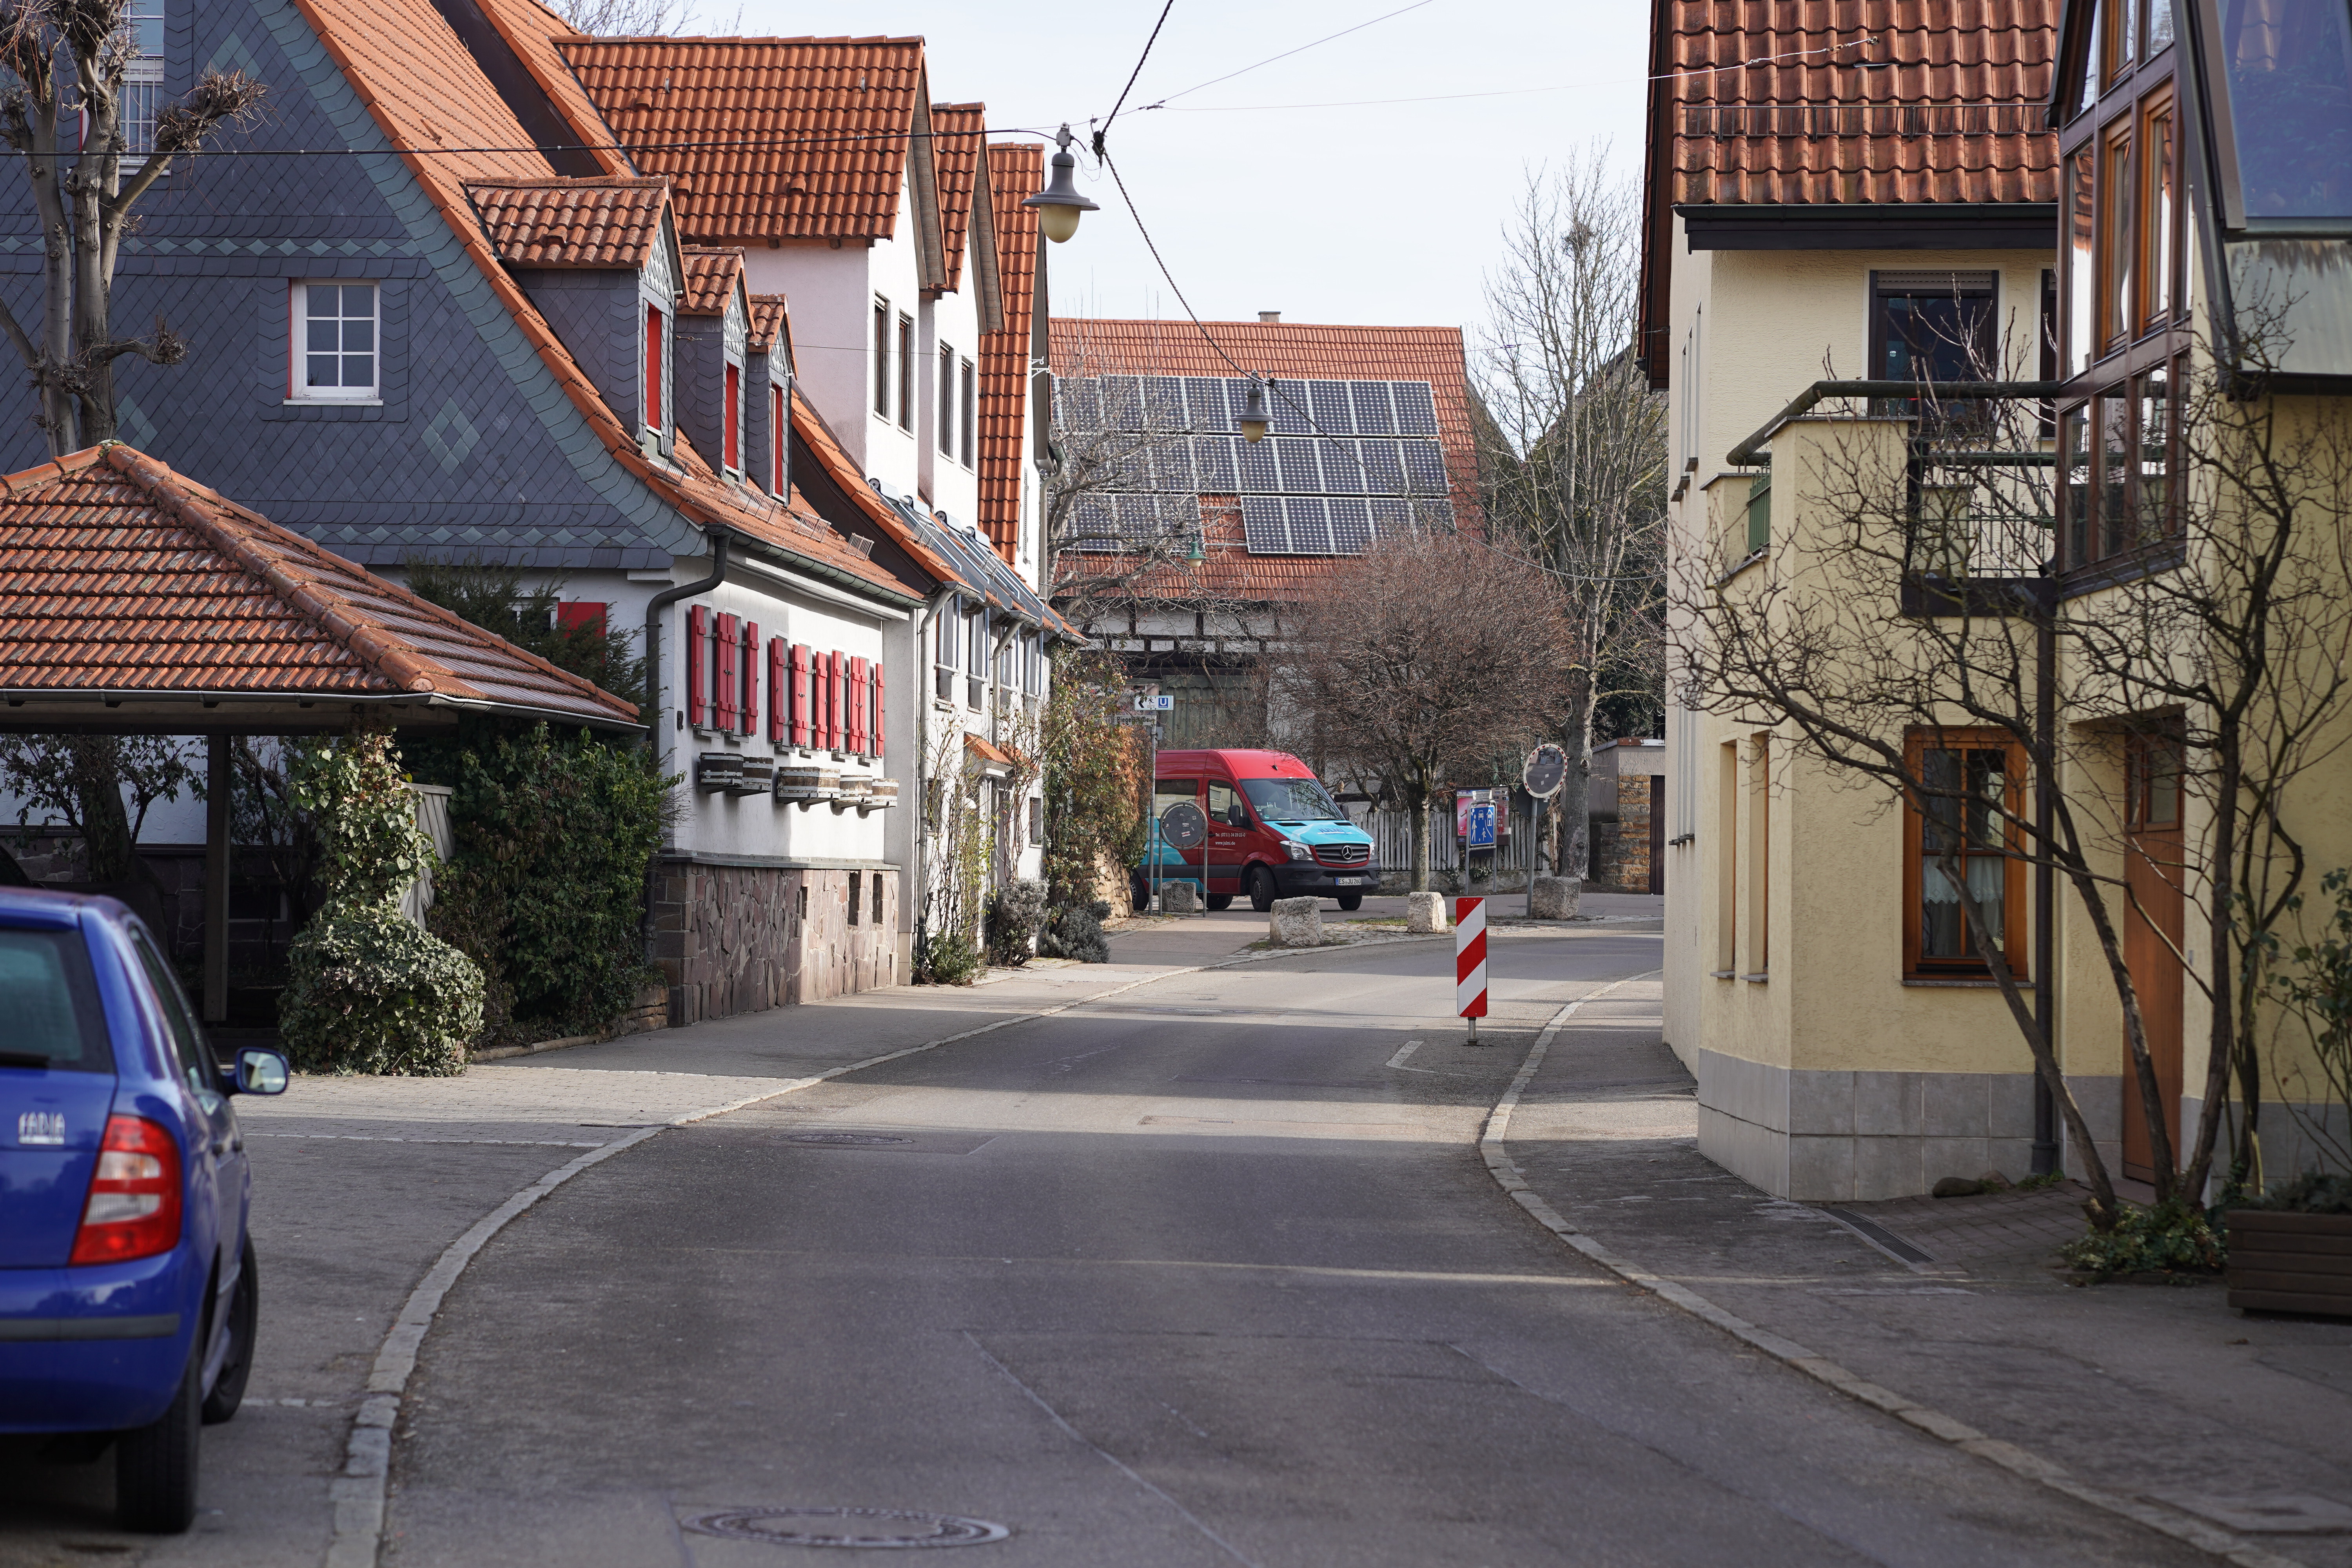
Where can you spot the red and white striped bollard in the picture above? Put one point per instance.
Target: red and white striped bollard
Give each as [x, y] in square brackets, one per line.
[1470, 962]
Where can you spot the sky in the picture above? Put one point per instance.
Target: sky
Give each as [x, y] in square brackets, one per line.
[1389, 214]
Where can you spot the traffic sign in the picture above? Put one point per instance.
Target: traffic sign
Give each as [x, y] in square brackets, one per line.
[1545, 771]
[1183, 825]
[1148, 704]
[1470, 961]
[1481, 833]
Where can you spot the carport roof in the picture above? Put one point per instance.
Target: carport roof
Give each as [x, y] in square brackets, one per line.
[134, 600]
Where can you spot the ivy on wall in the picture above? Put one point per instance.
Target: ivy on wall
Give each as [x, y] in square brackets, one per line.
[1094, 769]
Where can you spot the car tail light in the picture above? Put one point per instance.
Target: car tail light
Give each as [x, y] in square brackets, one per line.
[134, 1209]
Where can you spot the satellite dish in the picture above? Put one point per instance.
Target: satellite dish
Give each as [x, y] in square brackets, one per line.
[1545, 771]
[1183, 825]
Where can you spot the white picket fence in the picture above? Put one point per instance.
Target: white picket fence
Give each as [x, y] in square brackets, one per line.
[1391, 834]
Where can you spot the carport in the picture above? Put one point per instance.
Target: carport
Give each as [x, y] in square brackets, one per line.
[136, 601]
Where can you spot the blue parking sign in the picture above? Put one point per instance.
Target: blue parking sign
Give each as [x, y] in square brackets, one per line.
[1482, 827]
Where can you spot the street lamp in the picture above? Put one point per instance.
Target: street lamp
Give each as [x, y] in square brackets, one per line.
[1255, 415]
[1060, 205]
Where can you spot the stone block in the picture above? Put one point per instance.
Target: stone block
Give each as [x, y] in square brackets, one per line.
[1953, 1105]
[1425, 912]
[1180, 898]
[2009, 1109]
[1295, 922]
[1821, 1170]
[1821, 1102]
[1555, 897]
[1887, 1168]
[1887, 1104]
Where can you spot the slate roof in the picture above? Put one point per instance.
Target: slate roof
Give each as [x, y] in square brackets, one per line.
[531, 30]
[119, 577]
[1897, 101]
[712, 274]
[788, 138]
[1016, 172]
[418, 81]
[610, 223]
[960, 154]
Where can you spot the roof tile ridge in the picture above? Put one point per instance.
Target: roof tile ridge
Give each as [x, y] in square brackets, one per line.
[407, 597]
[61, 466]
[179, 496]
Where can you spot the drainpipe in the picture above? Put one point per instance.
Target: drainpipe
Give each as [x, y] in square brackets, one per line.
[2045, 942]
[654, 607]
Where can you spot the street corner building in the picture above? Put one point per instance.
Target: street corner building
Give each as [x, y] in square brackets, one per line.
[495, 312]
[1892, 239]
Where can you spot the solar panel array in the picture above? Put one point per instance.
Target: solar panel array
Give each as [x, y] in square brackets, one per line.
[1346, 462]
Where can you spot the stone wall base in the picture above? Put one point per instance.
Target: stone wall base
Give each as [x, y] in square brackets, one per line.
[744, 939]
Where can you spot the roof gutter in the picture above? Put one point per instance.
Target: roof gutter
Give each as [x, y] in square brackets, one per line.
[654, 607]
[1749, 453]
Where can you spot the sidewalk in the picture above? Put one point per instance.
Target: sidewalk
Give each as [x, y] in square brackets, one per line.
[2161, 1393]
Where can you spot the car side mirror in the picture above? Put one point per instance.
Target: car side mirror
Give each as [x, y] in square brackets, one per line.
[260, 1070]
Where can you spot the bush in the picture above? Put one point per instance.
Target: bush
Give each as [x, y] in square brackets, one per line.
[1014, 913]
[1076, 930]
[555, 836]
[367, 991]
[2312, 1192]
[947, 959]
[2172, 1235]
[372, 994]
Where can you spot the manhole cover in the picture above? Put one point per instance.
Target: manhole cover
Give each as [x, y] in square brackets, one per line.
[854, 1140]
[855, 1527]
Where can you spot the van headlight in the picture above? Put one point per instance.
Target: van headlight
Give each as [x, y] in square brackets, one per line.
[1297, 851]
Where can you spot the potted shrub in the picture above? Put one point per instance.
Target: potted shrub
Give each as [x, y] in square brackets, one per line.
[2291, 1249]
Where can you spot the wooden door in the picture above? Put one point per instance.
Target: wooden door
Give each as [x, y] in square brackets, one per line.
[2152, 936]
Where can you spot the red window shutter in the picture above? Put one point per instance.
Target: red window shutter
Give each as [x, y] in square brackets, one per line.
[840, 701]
[857, 706]
[580, 613]
[799, 694]
[828, 716]
[734, 441]
[655, 354]
[779, 479]
[779, 691]
[730, 682]
[697, 665]
[750, 677]
[880, 729]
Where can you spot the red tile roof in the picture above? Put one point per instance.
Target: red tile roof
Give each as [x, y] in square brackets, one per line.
[120, 576]
[405, 64]
[1225, 573]
[1085, 346]
[556, 223]
[771, 323]
[712, 275]
[783, 138]
[958, 154]
[1901, 102]
[1016, 172]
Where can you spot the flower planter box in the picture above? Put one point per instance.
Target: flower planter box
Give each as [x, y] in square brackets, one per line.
[717, 770]
[2286, 1262]
[881, 794]
[759, 774]
[803, 786]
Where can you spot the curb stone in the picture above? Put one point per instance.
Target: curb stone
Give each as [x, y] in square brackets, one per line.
[2225, 1544]
[358, 1493]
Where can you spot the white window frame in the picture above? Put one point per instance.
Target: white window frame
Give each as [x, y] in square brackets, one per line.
[297, 322]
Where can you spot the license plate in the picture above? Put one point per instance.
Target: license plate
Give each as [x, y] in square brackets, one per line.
[1347, 881]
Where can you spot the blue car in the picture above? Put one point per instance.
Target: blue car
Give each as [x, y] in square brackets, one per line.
[128, 1290]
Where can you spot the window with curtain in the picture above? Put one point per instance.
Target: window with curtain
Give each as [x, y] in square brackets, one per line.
[1961, 841]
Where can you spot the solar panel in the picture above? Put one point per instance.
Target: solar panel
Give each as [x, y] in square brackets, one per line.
[1373, 415]
[1263, 529]
[1122, 402]
[1310, 524]
[1434, 516]
[1351, 526]
[1212, 464]
[1424, 468]
[1416, 408]
[1383, 469]
[1179, 522]
[1094, 524]
[1391, 517]
[1077, 403]
[1259, 472]
[1171, 465]
[1328, 401]
[1289, 402]
[1300, 473]
[1342, 474]
[1204, 403]
[1163, 403]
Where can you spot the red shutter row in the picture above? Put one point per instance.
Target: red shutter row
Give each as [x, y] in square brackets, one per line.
[830, 701]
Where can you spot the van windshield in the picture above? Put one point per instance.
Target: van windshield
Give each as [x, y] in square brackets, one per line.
[1291, 800]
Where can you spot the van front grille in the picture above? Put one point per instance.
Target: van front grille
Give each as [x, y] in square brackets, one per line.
[1343, 854]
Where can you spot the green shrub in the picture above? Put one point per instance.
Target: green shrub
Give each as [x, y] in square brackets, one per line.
[947, 958]
[2172, 1235]
[371, 994]
[1076, 930]
[555, 836]
[367, 991]
[2314, 1191]
[1014, 913]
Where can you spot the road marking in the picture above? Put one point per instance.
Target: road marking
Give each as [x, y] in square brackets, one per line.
[1410, 1046]
[2226, 1545]
[388, 1138]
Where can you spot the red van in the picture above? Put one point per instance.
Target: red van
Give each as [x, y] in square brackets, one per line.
[1273, 831]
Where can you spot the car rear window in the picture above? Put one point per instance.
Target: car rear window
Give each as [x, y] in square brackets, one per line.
[50, 998]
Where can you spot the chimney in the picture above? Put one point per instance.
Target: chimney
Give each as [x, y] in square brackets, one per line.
[1269, 318]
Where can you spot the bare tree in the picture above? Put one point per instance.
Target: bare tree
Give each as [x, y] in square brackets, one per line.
[1572, 447]
[64, 114]
[81, 778]
[1423, 656]
[638, 18]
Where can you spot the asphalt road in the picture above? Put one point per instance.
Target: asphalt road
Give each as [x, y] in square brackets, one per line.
[1209, 1272]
